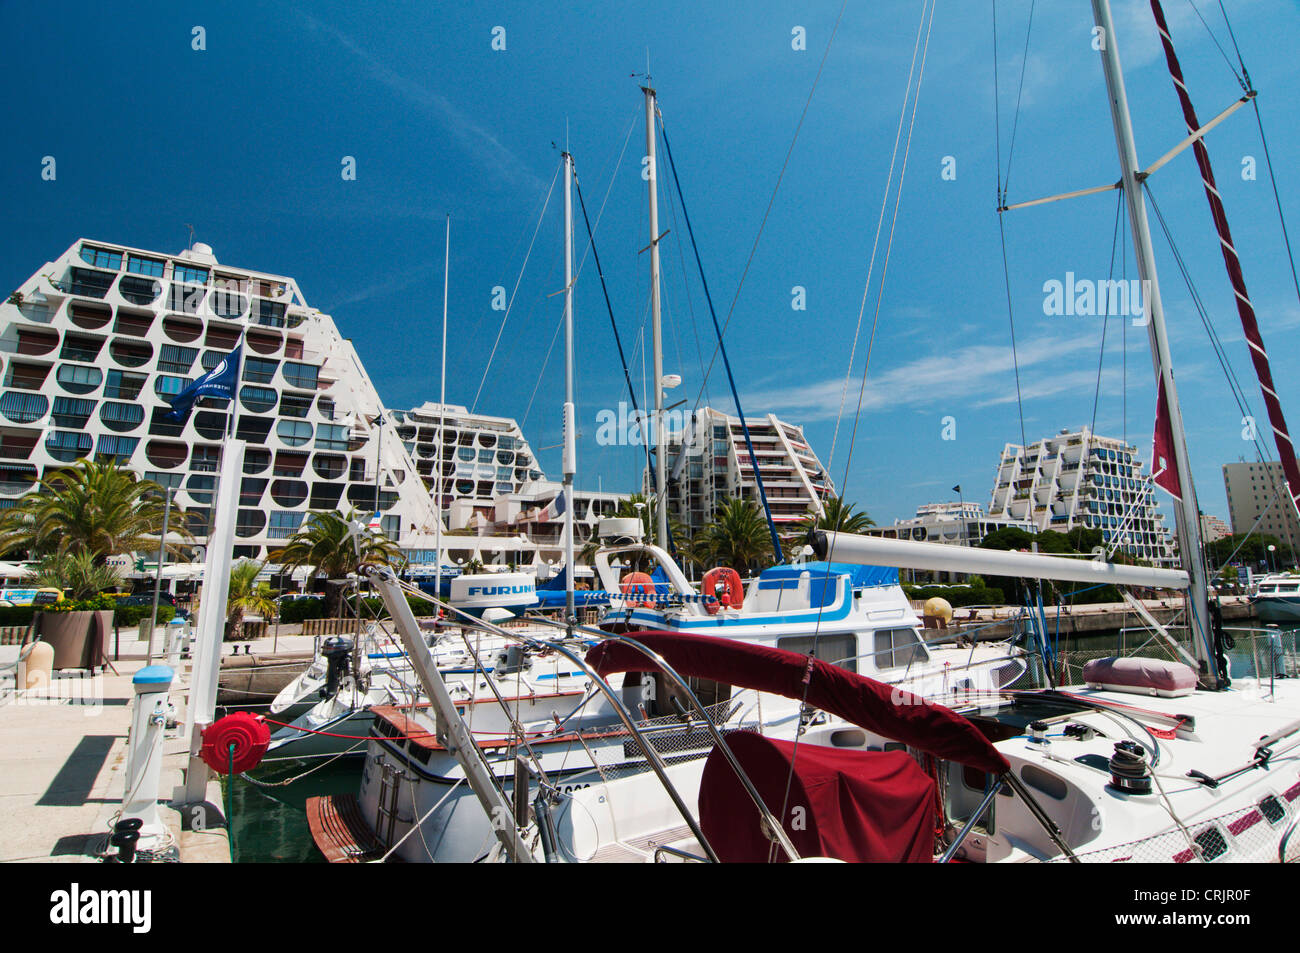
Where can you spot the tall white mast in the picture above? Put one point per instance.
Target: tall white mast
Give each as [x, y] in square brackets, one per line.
[661, 450]
[442, 421]
[570, 461]
[1187, 519]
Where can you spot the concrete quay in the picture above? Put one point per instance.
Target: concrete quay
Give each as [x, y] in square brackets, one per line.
[999, 622]
[63, 768]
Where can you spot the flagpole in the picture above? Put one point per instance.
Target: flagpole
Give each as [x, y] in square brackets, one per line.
[442, 421]
[206, 667]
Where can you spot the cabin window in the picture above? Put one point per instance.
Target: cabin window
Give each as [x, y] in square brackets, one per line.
[841, 650]
[1044, 781]
[898, 648]
[964, 791]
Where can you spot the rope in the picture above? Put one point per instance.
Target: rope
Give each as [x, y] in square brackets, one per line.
[726, 361]
[866, 368]
[419, 824]
[312, 770]
[230, 803]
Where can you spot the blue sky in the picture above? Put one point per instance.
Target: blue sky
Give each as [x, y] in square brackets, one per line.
[245, 140]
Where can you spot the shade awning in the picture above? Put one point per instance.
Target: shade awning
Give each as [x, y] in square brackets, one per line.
[883, 709]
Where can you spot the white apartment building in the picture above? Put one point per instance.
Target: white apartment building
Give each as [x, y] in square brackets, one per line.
[958, 524]
[708, 464]
[94, 343]
[1078, 478]
[481, 457]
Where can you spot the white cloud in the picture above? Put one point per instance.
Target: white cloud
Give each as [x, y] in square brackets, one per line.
[471, 135]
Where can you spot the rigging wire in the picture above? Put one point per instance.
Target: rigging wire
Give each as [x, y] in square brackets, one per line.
[1002, 201]
[1110, 275]
[875, 244]
[866, 367]
[1243, 83]
[772, 200]
[1015, 122]
[510, 304]
[1234, 383]
[590, 231]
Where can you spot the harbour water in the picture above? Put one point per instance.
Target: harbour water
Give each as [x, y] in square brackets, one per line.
[270, 823]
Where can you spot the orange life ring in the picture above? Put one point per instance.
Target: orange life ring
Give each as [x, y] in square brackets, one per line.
[732, 595]
[635, 582]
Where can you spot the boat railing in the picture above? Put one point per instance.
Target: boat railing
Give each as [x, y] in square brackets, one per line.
[648, 749]
[663, 851]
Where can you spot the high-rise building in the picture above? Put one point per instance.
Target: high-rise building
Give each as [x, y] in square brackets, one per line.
[96, 341]
[482, 457]
[1213, 528]
[1079, 478]
[1258, 500]
[708, 464]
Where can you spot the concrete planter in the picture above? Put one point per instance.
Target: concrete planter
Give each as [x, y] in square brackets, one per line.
[78, 638]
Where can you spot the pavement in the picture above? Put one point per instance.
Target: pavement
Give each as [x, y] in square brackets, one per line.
[63, 769]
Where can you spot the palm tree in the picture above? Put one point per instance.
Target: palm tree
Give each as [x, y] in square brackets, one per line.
[92, 507]
[247, 596]
[737, 537]
[637, 507]
[836, 516]
[77, 572]
[327, 543]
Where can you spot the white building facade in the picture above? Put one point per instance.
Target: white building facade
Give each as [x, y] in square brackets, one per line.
[709, 463]
[96, 341]
[958, 524]
[1078, 478]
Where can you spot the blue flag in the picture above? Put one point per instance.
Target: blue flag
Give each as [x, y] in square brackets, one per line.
[221, 381]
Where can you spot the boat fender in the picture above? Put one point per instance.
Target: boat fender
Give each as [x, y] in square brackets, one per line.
[246, 731]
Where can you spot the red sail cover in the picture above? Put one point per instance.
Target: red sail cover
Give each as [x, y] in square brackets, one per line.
[869, 704]
[1163, 470]
[855, 806]
[1245, 310]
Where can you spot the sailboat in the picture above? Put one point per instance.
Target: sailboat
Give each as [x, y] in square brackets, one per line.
[1148, 759]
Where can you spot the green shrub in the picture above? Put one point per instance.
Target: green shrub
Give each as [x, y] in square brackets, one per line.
[375, 609]
[958, 596]
[300, 610]
[16, 615]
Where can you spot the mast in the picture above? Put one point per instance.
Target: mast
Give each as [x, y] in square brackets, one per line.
[570, 461]
[442, 421]
[1187, 519]
[661, 451]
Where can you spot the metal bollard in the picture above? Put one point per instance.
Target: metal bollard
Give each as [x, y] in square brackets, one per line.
[144, 754]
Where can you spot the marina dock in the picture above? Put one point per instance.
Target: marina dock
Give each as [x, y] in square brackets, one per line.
[63, 771]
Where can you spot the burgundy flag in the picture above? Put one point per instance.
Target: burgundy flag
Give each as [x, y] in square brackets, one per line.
[1164, 473]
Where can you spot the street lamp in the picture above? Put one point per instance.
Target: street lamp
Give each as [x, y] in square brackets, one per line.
[1271, 550]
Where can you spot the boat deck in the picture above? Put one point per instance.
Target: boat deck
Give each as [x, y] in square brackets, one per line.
[339, 830]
